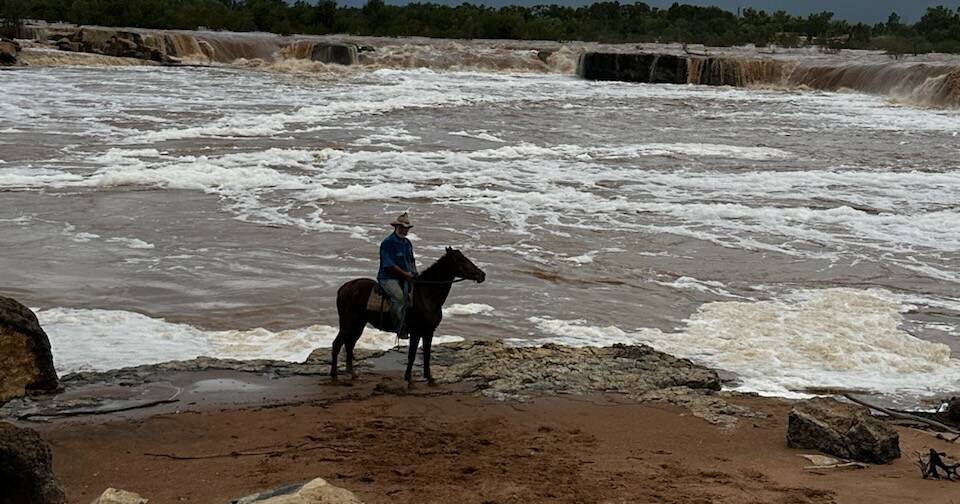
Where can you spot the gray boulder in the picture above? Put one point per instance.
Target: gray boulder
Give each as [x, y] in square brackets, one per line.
[25, 356]
[25, 468]
[842, 430]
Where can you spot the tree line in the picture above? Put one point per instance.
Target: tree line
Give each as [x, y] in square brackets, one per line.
[612, 22]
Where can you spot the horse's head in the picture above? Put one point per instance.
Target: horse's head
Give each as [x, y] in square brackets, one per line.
[463, 267]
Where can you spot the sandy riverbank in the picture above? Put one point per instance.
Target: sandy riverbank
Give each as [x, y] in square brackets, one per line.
[449, 445]
[230, 433]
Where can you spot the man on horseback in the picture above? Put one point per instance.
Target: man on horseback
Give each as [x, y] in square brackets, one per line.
[398, 268]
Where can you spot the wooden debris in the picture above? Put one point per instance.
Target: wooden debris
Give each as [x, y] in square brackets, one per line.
[930, 467]
[906, 416]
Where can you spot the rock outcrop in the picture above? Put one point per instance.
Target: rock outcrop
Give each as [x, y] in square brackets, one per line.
[317, 491]
[115, 496]
[109, 42]
[25, 468]
[8, 51]
[649, 68]
[680, 69]
[842, 430]
[341, 54]
[555, 369]
[25, 356]
[637, 371]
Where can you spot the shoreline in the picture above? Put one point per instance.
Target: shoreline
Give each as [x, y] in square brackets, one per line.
[447, 444]
[652, 429]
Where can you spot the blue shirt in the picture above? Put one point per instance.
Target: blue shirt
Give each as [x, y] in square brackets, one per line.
[395, 251]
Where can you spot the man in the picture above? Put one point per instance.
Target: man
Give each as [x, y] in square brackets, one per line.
[397, 269]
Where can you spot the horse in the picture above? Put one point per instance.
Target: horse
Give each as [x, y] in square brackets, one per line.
[430, 291]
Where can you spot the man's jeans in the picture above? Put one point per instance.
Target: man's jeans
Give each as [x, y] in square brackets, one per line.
[399, 293]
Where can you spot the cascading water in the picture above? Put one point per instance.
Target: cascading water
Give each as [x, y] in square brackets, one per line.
[920, 83]
[931, 83]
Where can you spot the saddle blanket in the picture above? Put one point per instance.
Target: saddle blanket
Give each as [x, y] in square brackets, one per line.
[379, 301]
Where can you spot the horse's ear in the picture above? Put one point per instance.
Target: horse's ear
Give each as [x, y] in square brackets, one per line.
[449, 249]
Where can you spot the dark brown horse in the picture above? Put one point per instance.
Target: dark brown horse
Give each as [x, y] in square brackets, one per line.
[430, 291]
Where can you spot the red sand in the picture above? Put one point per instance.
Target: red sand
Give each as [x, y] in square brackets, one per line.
[447, 445]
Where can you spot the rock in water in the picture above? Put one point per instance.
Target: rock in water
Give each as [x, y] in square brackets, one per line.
[317, 491]
[8, 52]
[842, 430]
[25, 356]
[114, 496]
[25, 468]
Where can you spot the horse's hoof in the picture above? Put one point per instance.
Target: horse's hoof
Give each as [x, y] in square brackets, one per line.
[354, 376]
[411, 385]
[431, 382]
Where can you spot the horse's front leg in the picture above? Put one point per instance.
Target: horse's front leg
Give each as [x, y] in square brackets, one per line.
[427, 343]
[411, 356]
[350, 371]
[335, 351]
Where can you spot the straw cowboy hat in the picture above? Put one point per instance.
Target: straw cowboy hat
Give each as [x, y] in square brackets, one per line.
[402, 220]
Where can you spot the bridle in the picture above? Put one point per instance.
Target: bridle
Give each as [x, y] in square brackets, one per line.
[437, 282]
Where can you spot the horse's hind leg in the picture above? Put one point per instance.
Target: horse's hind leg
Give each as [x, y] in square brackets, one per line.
[411, 357]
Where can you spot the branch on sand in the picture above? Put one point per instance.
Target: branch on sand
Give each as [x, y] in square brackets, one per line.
[100, 411]
[270, 453]
[857, 465]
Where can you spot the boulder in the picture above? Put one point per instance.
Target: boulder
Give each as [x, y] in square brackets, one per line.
[114, 496]
[25, 468]
[953, 410]
[8, 51]
[25, 356]
[842, 430]
[317, 491]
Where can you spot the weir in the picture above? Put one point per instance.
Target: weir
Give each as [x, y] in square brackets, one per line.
[926, 84]
[687, 69]
[173, 47]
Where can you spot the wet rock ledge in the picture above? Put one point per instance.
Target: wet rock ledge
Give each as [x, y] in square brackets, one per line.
[638, 372]
[652, 68]
[491, 368]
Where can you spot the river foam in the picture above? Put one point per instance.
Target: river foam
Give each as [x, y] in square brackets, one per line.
[85, 340]
[839, 339]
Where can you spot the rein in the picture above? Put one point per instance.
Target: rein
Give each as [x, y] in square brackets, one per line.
[438, 281]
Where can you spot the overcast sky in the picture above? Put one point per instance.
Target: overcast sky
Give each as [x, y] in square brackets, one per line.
[868, 11]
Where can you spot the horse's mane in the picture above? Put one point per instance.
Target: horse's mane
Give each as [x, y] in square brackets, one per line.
[435, 269]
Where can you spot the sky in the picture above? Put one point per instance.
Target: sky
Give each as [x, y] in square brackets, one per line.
[867, 11]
